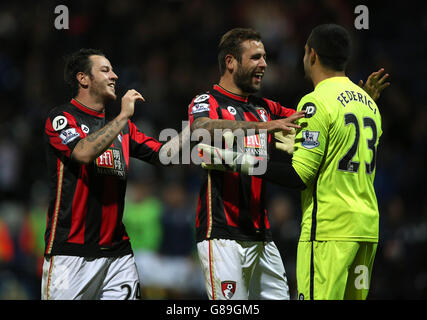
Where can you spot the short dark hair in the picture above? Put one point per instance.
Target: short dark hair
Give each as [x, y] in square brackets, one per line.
[78, 62]
[332, 44]
[231, 44]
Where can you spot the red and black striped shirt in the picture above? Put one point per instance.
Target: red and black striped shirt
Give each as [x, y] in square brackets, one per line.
[86, 201]
[230, 205]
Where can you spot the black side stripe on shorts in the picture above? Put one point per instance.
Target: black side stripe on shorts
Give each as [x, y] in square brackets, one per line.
[313, 237]
[314, 211]
[312, 272]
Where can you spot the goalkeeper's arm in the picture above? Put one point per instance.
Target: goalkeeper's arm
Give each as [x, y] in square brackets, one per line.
[281, 173]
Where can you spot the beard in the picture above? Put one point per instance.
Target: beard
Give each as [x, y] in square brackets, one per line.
[102, 91]
[243, 79]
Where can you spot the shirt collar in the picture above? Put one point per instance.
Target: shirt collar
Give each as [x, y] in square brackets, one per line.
[230, 94]
[87, 110]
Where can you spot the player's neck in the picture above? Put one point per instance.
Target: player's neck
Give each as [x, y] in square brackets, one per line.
[321, 74]
[90, 102]
[227, 83]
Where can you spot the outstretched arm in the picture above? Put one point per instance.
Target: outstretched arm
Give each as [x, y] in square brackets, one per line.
[285, 124]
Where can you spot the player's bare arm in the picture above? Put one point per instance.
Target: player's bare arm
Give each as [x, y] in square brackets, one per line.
[89, 148]
[284, 125]
[172, 148]
[375, 83]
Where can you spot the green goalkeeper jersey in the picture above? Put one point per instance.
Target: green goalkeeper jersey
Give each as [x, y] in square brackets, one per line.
[335, 153]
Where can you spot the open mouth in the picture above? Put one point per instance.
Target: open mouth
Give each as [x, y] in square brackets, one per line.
[258, 76]
[113, 86]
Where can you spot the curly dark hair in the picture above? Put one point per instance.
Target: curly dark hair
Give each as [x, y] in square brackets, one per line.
[78, 62]
[231, 44]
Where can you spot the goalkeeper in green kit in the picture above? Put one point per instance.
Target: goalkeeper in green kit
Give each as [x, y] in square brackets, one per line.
[333, 163]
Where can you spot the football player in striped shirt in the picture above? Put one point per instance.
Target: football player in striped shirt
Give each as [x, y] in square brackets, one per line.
[238, 256]
[88, 254]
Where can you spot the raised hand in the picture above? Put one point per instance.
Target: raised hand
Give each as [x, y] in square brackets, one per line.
[285, 125]
[375, 84]
[128, 102]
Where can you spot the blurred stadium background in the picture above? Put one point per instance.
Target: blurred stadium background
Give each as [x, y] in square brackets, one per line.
[167, 51]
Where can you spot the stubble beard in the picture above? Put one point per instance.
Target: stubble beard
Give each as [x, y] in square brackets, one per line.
[243, 80]
[100, 91]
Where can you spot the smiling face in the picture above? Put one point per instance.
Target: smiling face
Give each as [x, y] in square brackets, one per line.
[249, 72]
[102, 80]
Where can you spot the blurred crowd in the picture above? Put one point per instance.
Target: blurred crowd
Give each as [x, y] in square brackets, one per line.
[167, 51]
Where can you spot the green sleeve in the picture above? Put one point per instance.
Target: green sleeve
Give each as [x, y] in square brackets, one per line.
[311, 140]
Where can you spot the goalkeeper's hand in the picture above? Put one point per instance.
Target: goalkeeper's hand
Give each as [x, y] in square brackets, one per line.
[214, 158]
[285, 142]
[375, 84]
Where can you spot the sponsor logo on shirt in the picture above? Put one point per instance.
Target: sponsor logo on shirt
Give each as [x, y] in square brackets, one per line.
[252, 142]
[310, 139]
[105, 160]
[310, 109]
[200, 107]
[59, 123]
[201, 98]
[110, 163]
[232, 110]
[255, 145]
[68, 135]
[85, 128]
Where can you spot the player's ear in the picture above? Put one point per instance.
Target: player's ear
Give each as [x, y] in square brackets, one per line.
[313, 57]
[83, 79]
[230, 63]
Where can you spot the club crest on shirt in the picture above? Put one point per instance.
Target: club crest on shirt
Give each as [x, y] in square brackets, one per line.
[310, 139]
[228, 289]
[263, 114]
